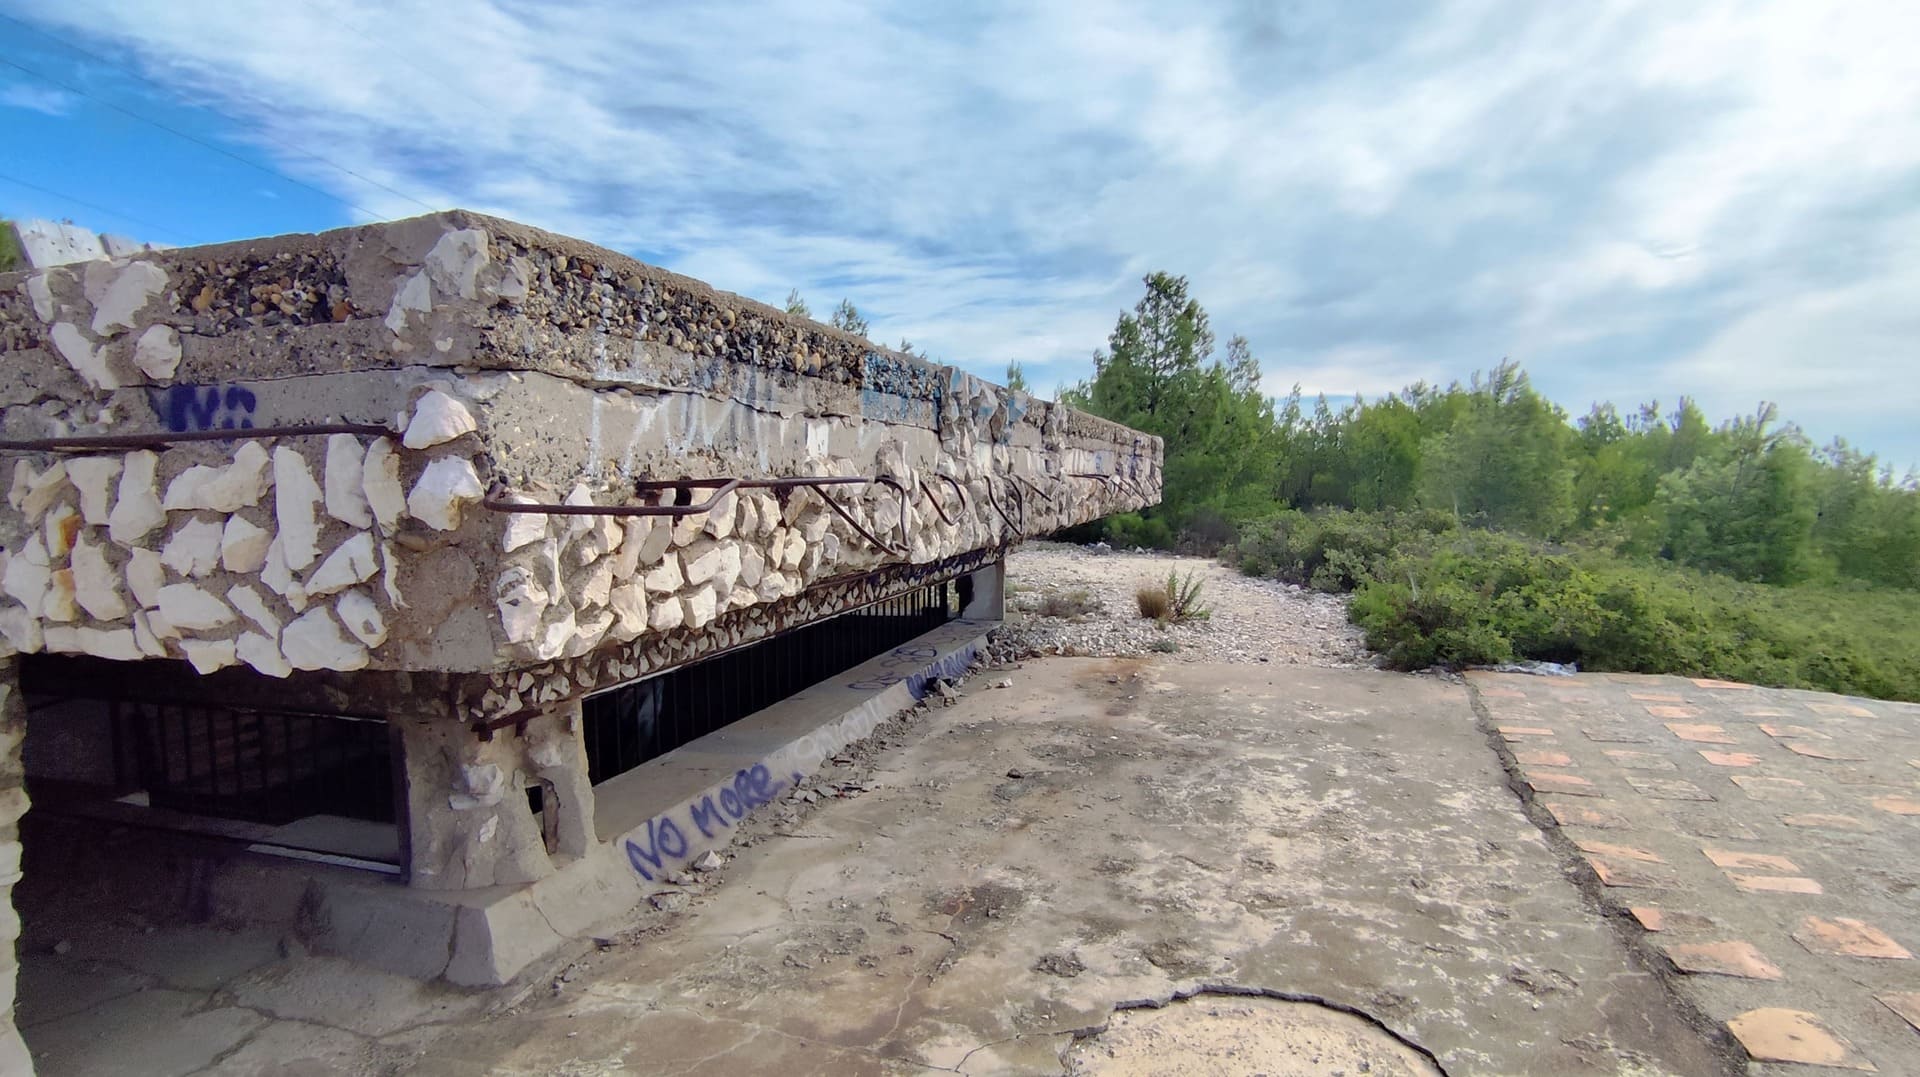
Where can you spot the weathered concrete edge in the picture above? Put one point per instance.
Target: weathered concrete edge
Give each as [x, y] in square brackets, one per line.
[488, 938]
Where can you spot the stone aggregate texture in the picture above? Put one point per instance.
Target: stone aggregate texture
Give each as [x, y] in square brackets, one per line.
[501, 360]
[1784, 880]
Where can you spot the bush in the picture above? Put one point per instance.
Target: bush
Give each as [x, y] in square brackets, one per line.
[1153, 602]
[1176, 601]
[1472, 598]
[1335, 549]
[1068, 604]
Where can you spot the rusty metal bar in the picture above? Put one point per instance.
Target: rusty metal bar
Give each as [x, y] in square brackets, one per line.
[721, 488]
[902, 491]
[995, 502]
[959, 491]
[1029, 484]
[927, 489]
[84, 442]
[855, 524]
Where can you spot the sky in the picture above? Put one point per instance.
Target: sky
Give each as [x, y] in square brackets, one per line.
[1635, 201]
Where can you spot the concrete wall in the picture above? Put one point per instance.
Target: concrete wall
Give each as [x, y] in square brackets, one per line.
[500, 358]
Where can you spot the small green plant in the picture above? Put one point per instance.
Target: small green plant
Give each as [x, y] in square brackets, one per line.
[1174, 602]
[1164, 645]
[1183, 596]
[1068, 604]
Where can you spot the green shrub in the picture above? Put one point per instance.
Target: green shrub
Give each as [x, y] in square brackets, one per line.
[1470, 598]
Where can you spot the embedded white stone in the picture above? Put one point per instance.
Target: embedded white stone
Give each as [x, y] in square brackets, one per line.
[666, 575]
[666, 614]
[588, 631]
[554, 636]
[659, 536]
[390, 575]
[157, 352]
[28, 574]
[594, 585]
[581, 496]
[115, 643]
[774, 585]
[741, 598]
[136, 512]
[189, 606]
[36, 491]
[293, 502]
[522, 602]
[795, 549]
[688, 528]
[362, 617]
[351, 562]
[93, 476]
[523, 528]
[380, 481]
[60, 604]
[162, 628]
[79, 352]
[262, 654]
[253, 606]
[720, 517]
[700, 605]
[194, 548]
[314, 641]
[96, 586]
[437, 419]
[208, 655]
[753, 565]
[243, 546]
[455, 262]
[133, 287]
[636, 532]
[63, 527]
[41, 293]
[144, 637]
[445, 487]
[712, 561]
[815, 527]
[629, 605]
[21, 627]
[416, 293]
[145, 576]
[345, 496]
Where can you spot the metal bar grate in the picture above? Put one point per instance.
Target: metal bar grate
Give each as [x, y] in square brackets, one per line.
[646, 719]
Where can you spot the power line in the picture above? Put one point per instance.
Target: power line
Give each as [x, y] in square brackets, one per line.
[190, 138]
[98, 58]
[93, 206]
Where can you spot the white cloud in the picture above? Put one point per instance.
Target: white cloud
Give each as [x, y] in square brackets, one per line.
[37, 99]
[1620, 194]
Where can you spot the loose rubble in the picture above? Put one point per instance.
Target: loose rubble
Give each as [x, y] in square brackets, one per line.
[1251, 620]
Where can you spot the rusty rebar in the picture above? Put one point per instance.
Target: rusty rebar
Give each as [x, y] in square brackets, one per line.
[156, 440]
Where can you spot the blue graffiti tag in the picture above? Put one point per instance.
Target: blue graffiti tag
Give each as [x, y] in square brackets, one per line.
[186, 408]
[750, 789]
[664, 842]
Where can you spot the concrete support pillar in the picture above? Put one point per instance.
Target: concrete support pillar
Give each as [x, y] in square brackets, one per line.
[988, 602]
[469, 824]
[14, 1059]
[557, 753]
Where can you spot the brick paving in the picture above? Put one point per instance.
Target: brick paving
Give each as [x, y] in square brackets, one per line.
[1763, 844]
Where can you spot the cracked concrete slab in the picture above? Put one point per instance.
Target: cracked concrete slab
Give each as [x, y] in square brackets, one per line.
[1109, 831]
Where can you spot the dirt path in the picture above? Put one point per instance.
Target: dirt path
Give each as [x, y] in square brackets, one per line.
[1252, 620]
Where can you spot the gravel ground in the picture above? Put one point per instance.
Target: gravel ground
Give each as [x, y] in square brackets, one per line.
[1252, 620]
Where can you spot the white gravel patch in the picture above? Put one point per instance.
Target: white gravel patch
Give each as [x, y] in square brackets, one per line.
[1253, 620]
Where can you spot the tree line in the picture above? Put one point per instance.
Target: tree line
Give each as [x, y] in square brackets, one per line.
[1751, 498]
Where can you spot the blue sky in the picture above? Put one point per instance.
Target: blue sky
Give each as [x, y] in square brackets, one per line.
[1634, 200]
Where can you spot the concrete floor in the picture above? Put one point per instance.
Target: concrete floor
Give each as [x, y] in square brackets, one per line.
[1108, 831]
[1333, 864]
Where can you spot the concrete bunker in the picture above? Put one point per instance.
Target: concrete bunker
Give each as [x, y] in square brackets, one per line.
[435, 583]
